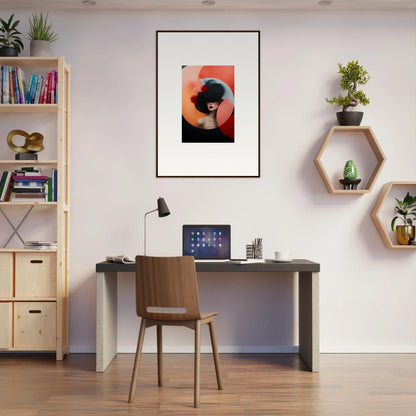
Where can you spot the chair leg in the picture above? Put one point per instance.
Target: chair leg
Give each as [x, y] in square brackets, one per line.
[197, 368]
[159, 355]
[137, 361]
[215, 353]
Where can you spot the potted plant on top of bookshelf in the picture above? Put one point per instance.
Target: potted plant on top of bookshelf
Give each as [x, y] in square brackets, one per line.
[41, 35]
[353, 75]
[406, 209]
[10, 42]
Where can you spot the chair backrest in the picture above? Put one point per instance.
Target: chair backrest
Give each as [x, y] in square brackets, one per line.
[167, 282]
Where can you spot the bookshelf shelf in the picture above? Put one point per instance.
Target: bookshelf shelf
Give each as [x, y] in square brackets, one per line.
[29, 278]
[28, 108]
[11, 163]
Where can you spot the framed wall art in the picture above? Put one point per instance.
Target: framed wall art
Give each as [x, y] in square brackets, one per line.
[208, 104]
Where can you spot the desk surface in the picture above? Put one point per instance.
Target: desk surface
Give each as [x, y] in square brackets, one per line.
[298, 265]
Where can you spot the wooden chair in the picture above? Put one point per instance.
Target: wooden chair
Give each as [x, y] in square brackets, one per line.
[167, 294]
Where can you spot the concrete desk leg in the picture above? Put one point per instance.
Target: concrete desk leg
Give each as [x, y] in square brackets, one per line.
[106, 339]
[309, 319]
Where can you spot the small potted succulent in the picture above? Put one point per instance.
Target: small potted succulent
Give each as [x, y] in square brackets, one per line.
[353, 75]
[41, 35]
[407, 213]
[10, 42]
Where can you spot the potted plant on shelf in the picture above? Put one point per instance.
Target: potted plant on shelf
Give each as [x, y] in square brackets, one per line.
[353, 75]
[406, 209]
[10, 42]
[41, 35]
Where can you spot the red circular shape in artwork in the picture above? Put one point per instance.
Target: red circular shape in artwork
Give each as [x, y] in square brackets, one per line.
[224, 73]
[228, 127]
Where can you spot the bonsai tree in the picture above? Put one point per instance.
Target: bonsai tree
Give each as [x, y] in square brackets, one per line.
[41, 29]
[9, 35]
[406, 209]
[353, 75]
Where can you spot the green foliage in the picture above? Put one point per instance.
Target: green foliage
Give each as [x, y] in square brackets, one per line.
[9, 35]
[40, 29]
[352, 75]
[405, 208]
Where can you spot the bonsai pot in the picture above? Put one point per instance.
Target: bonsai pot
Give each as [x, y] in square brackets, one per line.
[8, 51]
[40, 48]
[404, 234]
[349, 118]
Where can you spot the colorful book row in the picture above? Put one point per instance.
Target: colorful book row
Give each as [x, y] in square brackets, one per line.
[40, 89]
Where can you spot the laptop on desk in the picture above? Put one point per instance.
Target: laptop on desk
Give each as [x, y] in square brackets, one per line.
[209, 243]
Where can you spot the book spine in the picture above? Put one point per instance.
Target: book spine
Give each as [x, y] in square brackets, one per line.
[29, 88]
[42, 91]
[38, 88]
[49, 189]
[2, 180]
[6, 188]
[6, 95]
[35, 87]
[27, 183]
[20, 80]
[1, 84]
[11, 86]
[51, 88]
[45, 92]
[56, 86]
[55, 185]
[19, 178]
[15, 86]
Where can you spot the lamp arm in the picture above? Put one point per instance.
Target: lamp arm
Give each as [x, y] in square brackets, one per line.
[145, 215]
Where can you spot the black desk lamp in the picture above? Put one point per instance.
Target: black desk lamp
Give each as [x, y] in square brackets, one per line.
[163, 211]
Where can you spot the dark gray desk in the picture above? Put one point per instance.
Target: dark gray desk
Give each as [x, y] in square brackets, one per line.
[307, 271]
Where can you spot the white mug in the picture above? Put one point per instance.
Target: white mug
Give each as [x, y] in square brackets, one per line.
[282, 256]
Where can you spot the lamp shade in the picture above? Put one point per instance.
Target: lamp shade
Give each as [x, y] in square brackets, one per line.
[162, 208]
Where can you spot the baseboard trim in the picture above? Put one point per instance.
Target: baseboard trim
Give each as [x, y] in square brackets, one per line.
[368, 349]
[187, 349]
[283, 349]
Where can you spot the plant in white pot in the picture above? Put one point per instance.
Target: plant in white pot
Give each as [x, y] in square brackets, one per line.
[353, 75]
[41, 35]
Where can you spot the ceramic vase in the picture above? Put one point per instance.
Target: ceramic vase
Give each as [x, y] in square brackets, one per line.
[404, 234]
[40, 48]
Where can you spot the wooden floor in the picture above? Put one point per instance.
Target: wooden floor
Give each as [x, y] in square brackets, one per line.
[254, 384]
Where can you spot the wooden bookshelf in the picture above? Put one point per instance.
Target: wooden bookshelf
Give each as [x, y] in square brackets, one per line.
[34, 284]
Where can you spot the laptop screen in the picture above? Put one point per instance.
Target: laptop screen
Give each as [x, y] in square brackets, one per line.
[206, 241]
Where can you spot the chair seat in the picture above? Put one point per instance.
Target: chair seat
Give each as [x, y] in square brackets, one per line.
[208, 315]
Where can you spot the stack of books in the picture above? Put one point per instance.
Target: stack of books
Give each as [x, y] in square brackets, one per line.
[27, 184]
[40, 89]
[40, 245]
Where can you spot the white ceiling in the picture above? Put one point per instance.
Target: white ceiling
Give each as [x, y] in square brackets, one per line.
[219, 5]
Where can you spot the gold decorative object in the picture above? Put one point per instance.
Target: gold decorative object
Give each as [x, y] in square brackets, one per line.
[405, 234]
[33, 142]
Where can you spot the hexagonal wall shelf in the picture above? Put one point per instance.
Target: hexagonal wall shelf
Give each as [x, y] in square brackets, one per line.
[382, 227]
[375, 149]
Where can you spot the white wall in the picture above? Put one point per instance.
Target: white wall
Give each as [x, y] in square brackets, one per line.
[366, 291]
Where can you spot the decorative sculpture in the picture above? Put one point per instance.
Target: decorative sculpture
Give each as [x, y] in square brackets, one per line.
[350, 180]
[33, 144]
